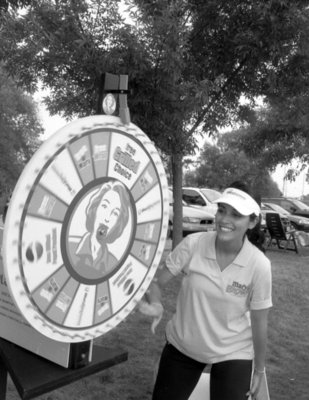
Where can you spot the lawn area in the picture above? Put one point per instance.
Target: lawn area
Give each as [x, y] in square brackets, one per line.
[288, 350]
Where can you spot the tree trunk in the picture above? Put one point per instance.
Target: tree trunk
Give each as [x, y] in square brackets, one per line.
[177, 194]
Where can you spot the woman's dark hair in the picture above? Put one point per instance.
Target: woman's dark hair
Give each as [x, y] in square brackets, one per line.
[255, 235]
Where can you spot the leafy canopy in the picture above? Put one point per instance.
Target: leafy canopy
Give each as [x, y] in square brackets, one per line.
[188, 61]
[222, 163]
[19, 130]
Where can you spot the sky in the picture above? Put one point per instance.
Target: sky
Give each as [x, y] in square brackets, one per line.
[52, 124]
[298, 188]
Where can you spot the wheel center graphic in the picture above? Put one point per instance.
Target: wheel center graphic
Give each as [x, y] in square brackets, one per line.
[98, 230]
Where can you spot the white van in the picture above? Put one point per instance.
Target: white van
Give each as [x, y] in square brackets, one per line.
[201, 197]
[193, 219]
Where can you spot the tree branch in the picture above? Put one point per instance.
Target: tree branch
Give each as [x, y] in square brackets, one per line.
[203, 113]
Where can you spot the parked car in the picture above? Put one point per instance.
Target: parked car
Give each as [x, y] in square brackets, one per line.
[293, 206]
[193, 219]
[285, 221]
[201, 197]
[298, 222]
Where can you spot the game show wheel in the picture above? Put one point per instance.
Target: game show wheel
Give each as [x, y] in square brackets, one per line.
[86, 228]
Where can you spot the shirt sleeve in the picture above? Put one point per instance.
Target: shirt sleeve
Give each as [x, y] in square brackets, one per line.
[180, 257]
[261, 297]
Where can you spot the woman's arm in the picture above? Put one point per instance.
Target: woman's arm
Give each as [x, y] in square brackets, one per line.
[153, 306]
[259, 322]
[162, 277]
[176, 261]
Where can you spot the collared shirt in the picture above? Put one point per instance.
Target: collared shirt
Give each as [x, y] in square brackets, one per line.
[212, 319]
[85, 265]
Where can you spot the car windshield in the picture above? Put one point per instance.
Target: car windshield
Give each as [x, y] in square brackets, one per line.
[211, 194]
[299, 204]
[171, 199]
[277, 208]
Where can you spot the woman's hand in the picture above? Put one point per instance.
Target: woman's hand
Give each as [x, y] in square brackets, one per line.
[154, 310]
[259, 335]
[255, 384]
[151, 303]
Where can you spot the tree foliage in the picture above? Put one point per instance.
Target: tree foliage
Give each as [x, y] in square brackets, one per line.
[219, 165]
[19, 130]
[189, 61]
[73, 42]
[15, 4]
[64, 46]
[254, 41]
[279, 135]
[278, 132]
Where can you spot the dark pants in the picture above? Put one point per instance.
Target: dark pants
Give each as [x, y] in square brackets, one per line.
[178, 375]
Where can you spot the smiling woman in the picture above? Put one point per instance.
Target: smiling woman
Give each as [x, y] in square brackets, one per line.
[226, 283]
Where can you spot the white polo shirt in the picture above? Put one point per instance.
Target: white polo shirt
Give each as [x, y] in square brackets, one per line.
[212, 319]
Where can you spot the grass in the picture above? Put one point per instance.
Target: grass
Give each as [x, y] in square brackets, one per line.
[288, 348]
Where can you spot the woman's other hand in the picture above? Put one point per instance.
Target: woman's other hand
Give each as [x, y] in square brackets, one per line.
[154, 310]
[255, 384]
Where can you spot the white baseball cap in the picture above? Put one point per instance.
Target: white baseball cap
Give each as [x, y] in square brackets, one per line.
[241, 201]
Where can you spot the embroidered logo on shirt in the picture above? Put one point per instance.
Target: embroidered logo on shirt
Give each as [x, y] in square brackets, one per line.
[237, 289]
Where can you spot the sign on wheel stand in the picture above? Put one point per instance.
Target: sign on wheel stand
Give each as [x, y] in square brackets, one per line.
[85, 229]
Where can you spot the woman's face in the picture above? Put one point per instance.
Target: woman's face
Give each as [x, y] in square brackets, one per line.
[230, 224]
[107, 215]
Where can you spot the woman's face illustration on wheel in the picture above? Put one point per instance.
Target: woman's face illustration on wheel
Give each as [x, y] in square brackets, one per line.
[107, 215]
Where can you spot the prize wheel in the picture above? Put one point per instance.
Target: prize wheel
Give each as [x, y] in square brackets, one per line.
[86, 228]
